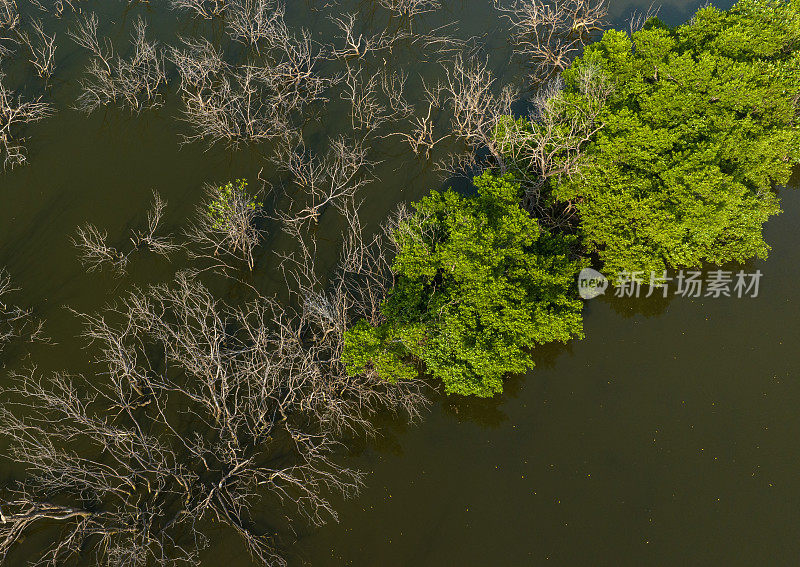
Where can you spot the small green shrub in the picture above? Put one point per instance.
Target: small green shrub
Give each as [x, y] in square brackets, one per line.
[228, 199]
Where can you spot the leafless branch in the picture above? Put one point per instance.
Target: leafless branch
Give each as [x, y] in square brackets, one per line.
[57, 7]
[95, 252]
[251, 102]
[42, 50]
[110, 79]
[357, 44]
[208, 9]
[422, 138]
[410, 8]
[637, 19]
[374, 98]
[242, 408]
[317, 182]
[9, 15]
[549, 146]
[548, 34]
[469, 93]
[14, 112]
[255, 21]
[162, 245]
[9, 24]
[15, 322]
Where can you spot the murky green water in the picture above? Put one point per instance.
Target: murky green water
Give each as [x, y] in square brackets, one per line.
[666, 437]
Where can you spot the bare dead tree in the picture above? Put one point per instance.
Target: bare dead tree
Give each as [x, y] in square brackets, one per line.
[9, 14]
[330, 303]
[409, 8]
[360, 90]
[318, 182]
[95, 252]
[422, 138]
[375, 98]
[57, 7]
[546, 147]
[123, 482]
[548, 34]
[252, 22]
[118, 462]
[115, 464]
[443, 44]
[549, 145]
[357, 44]
[135, 81]
[207, 9]
[638, 18]
[15, 322]
[290, 59]
[366, 111]
[212, 106]
[10, 316]
[9, 22]
[292, 65]
[227, 228]
[393, 87]
[252, 102]
[161, 245]
[470, 95]
[364, 273]
[231, 105]
[14, 113]
[42, 49]
[474, 105]
[255, 21]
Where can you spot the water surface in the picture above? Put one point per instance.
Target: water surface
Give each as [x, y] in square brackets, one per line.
[666, 437]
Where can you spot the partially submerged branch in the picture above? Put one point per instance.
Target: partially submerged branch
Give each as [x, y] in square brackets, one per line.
[42, 49]
[208, 9]
[135, 81]
[470, 95]
[356, 44]
[253, 102]
[318, 182]
[548, 35]
[15, 322]
[112, 460]
[15, 112]
[408, 9]
[227, 227]
[374, 98]
[95, 252]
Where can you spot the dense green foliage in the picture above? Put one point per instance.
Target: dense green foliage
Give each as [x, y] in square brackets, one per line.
[478, 283]
[668, 142]
[701, 124]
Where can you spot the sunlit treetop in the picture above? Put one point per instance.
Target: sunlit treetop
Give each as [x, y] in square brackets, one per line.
[478, 283]
[700, 128]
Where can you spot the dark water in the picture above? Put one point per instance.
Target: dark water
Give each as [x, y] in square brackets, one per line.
[666, 437]
[661, 439]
